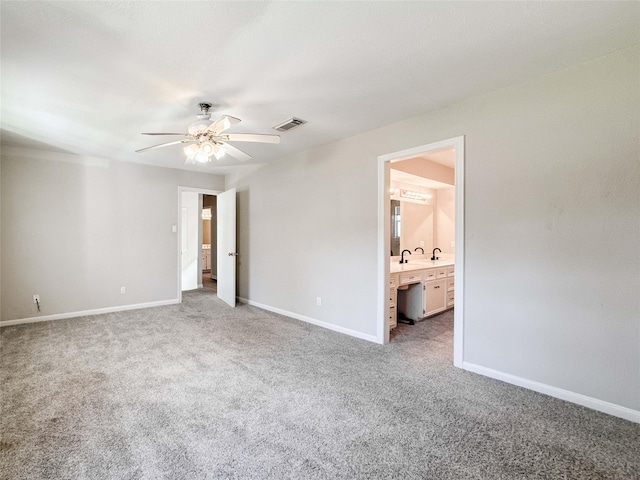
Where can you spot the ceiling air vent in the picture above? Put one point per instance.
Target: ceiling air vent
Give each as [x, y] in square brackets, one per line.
[293, 122]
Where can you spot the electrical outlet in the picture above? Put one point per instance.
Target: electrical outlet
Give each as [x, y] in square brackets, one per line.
[36, 299]
[319, 301]
[123, 290]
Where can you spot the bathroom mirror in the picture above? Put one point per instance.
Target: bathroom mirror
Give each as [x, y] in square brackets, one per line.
[411, 227]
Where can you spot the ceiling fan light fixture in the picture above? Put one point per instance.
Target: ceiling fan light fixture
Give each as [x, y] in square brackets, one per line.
[190, 151]
[202, 157]
[205, 139]
[208, 148]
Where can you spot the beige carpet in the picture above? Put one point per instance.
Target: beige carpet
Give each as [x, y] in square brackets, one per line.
[198, 390]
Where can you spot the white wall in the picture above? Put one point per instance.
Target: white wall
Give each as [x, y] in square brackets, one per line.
[552, 251]
[77, 229]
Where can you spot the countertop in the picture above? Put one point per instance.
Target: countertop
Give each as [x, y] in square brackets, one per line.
[419, 265]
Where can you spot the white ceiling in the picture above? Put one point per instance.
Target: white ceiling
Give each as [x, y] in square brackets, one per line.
[89, 77]
[446, 157]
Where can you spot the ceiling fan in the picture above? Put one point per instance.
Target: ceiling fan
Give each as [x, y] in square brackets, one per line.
[206, 140]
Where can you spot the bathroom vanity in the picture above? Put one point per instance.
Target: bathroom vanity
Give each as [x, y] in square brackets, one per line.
[435, 279]
[206, 257]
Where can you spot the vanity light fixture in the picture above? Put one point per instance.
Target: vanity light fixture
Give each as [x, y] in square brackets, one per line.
[206, 214]
[414, 195]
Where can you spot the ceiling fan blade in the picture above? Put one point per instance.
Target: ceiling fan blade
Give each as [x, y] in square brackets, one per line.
[164, 134]
[234, 152]
[222, 123]
[251, 137]
[166, 144]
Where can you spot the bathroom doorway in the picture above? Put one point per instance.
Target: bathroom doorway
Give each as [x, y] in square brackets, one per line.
[410, 165]
[208, 264]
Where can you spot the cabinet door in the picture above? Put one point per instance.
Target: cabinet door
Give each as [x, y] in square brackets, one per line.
[435, 297]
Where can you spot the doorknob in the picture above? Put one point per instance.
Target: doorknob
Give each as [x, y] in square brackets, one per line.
[233, 254]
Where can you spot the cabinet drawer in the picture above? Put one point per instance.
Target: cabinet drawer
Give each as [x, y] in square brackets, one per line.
[393, 280]
[450, 298]
[393, 297]
[451, 271]
[441, 272]
[450, 283]
[393, 321]
[430, 274]
[411, 277]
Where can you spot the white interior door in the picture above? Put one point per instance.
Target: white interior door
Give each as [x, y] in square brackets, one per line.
[226, 246]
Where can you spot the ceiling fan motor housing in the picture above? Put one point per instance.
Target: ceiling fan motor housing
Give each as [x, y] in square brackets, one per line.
[204, 111]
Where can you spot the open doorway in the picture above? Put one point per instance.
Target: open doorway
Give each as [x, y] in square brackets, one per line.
[208, 267]
[422, 191]
[197, 240]
[198, 232]
[423, 184]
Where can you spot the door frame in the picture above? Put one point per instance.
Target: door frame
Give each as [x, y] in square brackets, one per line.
[384, 161]
[202, 191]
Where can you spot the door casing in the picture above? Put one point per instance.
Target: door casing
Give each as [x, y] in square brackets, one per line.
[382, 326]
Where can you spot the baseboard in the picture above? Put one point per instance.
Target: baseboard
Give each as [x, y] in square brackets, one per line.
[313, 321]
[578, 398]
[84, 313]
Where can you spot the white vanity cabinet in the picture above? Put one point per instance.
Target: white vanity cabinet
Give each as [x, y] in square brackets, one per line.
[437, 289]
[206, 259]
[450, 286]
[393, 300]
[437, 284]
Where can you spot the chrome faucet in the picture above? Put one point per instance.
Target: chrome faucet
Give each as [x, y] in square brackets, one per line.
[402, 260]
[433, 254]
[416, 249]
